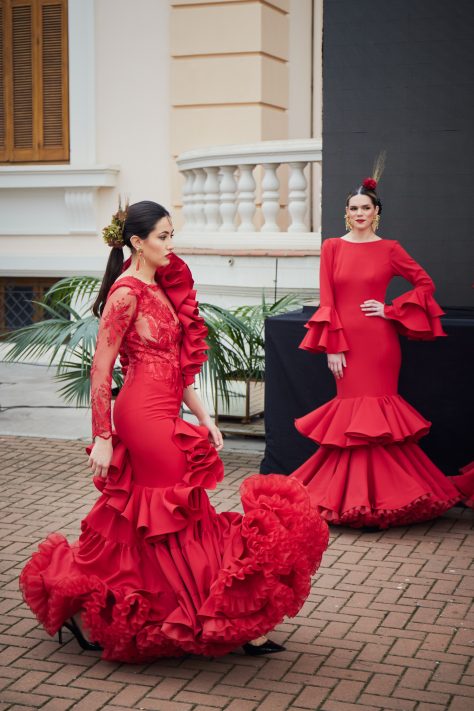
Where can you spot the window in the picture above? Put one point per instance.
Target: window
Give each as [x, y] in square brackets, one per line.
[34, 120]
[16, 297]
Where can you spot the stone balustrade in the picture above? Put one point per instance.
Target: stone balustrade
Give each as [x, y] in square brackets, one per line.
[223, 190]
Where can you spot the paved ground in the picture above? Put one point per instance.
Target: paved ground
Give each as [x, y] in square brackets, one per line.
[386, 626]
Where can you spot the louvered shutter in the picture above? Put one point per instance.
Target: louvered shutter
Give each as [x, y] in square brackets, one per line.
[35, 80]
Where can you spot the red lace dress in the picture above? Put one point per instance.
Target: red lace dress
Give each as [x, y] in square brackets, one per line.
[369, 470]
[156, 571]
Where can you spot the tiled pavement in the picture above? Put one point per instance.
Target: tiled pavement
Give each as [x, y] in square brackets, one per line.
[387, 625]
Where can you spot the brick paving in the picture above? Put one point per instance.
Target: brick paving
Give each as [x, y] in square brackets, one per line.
[388, 624]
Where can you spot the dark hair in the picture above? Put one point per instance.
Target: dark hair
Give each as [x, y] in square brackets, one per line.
[141, 220]
[361, 190]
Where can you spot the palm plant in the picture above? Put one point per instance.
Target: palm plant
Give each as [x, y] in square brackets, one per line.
[237, 343]
[68, 335]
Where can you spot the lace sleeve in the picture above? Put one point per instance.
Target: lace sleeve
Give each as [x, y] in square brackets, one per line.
[116, 318]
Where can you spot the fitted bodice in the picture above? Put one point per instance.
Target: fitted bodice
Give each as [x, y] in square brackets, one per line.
[138, 322]
[154, 336]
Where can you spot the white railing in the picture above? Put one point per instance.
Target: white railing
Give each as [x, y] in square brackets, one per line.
[222, 194]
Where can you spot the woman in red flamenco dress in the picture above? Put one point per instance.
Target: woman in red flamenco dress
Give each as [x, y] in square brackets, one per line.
[369, 470]
[156, 572]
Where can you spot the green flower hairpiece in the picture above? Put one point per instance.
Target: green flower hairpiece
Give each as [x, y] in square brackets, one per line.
[113, 233]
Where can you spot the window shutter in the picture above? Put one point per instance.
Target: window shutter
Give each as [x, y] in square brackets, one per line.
[22, 80]
[54, 139]
[34, 81]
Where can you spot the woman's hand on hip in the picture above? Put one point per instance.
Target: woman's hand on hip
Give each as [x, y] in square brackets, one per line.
[372, 307]
[215, 435]
[101, 456]
[336, 363]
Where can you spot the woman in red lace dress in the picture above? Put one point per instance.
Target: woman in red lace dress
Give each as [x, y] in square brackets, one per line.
[369, 470]
[156, 571]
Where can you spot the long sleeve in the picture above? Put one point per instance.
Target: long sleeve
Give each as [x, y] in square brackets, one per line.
[416, 313]
[325, 332]
[116, 318]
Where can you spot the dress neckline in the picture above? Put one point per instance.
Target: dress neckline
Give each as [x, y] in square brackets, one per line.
[167, 306]
[369, 241]
[130, 276]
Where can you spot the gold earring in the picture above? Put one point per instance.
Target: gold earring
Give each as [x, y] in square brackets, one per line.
[139, 253]
[376, 222]
[348, 223]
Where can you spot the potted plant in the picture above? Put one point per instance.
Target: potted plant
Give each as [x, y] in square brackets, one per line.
[235, 372]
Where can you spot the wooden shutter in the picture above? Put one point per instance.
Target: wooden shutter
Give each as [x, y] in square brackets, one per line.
[34, 81]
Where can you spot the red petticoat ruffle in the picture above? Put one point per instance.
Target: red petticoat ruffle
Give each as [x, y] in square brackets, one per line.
[376, 485]
[465, 484]
[416, 315]
[325, 333]
[358, 421]
[162, 574]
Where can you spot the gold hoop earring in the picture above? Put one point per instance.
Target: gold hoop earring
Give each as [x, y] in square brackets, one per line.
[348, 223]
[376, 222]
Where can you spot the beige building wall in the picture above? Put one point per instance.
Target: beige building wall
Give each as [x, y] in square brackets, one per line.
[229, 74]
[132, 71]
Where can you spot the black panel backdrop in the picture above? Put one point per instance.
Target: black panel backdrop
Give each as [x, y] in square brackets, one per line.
[399, 75]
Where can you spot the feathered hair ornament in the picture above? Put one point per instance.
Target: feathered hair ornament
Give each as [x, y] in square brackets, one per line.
[113, 233]
[377, 170]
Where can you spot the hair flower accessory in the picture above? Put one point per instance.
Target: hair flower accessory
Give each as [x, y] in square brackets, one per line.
[113, 233]
[369, 184]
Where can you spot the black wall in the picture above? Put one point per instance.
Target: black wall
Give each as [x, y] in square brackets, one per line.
[399, 75]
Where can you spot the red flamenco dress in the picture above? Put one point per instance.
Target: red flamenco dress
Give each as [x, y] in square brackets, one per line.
[156, 571]
[369, 469]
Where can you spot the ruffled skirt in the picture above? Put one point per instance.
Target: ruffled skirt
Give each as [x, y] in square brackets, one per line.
[369, 470]
[157, 572]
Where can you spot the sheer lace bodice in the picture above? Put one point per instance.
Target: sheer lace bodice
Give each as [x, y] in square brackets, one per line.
[139, 322]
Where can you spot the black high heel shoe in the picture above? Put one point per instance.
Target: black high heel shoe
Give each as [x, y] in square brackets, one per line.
[268, 647]
[84, 643]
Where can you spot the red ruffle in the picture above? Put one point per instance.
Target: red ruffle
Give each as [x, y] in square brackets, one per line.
[157, 511]
[465, 484]
[177, 281]
[157, 572]
[325, 332]
[376, 485]
[354, 422]
[417, 315]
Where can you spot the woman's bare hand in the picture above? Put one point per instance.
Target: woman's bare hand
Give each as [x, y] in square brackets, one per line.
[371, 307]
[336, 363]
[215, 435]
[101, 456]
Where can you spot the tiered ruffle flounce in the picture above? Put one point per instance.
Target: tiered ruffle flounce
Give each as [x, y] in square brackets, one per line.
[325, 332]
[370, 471]
[417, 315]
[157, 572]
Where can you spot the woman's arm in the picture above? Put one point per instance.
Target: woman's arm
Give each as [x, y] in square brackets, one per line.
[415, 313]
[193, 401]
[116, 318]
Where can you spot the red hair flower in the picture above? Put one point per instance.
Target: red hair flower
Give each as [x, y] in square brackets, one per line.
[369, 184]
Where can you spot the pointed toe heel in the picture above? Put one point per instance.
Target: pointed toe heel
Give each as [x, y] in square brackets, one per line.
[268, 647]
[84, 643]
